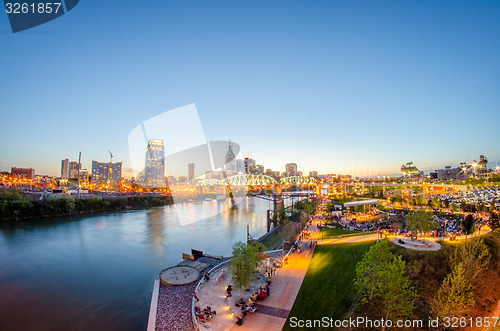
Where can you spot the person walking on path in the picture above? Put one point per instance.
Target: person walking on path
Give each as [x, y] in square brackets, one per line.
[196, 296]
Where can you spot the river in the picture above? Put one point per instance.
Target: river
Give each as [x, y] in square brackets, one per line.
[96, 272]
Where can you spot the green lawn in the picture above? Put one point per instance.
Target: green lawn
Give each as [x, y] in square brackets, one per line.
[274, 239]
[328, 233]
[328, 287]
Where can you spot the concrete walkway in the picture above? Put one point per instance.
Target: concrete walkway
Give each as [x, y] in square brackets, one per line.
[274, 310]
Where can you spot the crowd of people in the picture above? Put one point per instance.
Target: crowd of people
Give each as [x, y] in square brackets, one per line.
[206, 314]
[448, 224]
[386, 223]
[248, 306]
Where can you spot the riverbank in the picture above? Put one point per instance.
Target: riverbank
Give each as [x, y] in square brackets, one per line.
[18, 208]
[174, 306]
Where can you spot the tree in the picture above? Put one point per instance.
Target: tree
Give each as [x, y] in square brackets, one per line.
[283, 220]
[493, 221]
[245, 259]
[369, 271]
[468, 225]
[397, 294]
[474, 255]
[446, 203]
[436, 202]
[421, 221]
[455, 297]
[380, 280]
[463, 206]
[420, 200]
[397, 198]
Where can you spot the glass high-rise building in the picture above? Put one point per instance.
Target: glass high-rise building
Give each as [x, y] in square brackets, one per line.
[155, 164]
[106, 171]
[249, 165]
[64, 168]
[74, 169]
[70, 169]
[291, 169]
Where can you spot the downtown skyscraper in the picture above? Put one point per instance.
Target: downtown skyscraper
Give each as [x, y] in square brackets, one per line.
[155, 164]
[230, 159]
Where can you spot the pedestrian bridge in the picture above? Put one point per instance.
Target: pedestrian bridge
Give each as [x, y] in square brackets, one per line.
[257, 180]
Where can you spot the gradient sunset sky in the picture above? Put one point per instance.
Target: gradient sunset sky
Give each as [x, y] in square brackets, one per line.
[334, 86]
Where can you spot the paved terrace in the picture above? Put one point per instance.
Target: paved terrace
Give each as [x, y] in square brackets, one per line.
[173, 311]
[273, 311]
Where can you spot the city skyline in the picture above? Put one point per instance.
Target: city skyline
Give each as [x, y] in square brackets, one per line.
[329, 86]
[355, 171]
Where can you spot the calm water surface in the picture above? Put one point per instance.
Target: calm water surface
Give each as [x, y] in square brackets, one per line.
[96, 272]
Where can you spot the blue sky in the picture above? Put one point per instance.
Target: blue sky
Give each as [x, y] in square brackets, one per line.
[333, 86]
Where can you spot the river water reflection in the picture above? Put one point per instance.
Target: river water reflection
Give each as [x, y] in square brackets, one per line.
[96, 272]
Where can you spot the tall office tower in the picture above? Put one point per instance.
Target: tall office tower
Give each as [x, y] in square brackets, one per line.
[106, 172]
[115, 171]
[100, 171]
[230, 159]
[74, 168]
[64, 168]
[249, 165]
[191, 171]
[155, 164]
[291, 169]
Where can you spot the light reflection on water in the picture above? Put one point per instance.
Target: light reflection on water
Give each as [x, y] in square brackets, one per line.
[96, 272]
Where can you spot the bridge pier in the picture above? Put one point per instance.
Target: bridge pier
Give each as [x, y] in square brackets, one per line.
[319, 190]
[277, 189]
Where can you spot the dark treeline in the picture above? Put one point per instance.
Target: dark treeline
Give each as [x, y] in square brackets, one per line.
[13, 206]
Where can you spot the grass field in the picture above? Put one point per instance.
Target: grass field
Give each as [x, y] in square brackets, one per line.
[274, 239]
[328, 287]
[329, 233]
